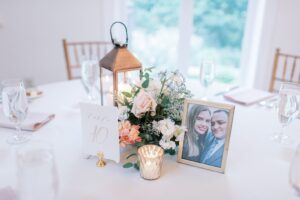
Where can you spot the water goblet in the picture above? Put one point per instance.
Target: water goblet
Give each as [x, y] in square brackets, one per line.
[37, 176]
[15, 107]
[207, 75]
[288, 108]
[90, 75]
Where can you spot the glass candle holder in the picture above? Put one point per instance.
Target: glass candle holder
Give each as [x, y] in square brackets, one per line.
[150, 157]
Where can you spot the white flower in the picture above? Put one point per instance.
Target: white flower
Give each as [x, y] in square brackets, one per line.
[166, 127]
[167, 144]
[123, 113]
[153, 88]
[178, 79]
[179, 133]
[143, 103]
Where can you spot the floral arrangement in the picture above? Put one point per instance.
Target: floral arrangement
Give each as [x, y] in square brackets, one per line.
[150, 113]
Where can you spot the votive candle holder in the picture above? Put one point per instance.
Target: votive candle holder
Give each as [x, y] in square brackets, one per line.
[150, 157]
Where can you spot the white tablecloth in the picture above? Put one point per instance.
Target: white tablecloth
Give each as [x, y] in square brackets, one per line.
[257, 168]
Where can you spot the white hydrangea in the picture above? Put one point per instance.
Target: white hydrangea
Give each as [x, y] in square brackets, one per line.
[167, 144]
[167, 127]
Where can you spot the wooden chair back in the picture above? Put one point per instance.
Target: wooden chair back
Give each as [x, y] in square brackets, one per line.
[286, 68]
[76, 52]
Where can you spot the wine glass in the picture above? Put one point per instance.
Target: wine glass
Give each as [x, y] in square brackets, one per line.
[15, 107]
[288, 108]
[207, 75]
[294, 173]
[37, 176]
[90, 75]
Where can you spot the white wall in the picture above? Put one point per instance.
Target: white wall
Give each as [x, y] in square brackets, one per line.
[32, 31]
[283, 32]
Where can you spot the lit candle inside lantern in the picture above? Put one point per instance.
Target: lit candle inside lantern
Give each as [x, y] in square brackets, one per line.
[124, 87]
[150, 157]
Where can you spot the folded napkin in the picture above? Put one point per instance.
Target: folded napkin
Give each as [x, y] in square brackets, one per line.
[247, 96]
[33, 121]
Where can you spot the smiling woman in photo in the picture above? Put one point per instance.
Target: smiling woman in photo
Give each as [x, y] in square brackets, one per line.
[198, 125]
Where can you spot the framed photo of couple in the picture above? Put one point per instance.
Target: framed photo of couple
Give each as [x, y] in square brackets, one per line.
[206, 140]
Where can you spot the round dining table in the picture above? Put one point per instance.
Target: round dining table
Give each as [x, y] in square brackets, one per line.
[257, 167]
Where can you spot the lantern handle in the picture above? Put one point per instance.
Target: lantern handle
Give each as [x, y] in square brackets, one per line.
[113, 40]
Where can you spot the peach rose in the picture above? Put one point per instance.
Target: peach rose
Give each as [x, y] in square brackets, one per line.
[143, 103]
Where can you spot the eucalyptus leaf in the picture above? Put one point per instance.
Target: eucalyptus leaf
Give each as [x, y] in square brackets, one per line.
[145, 83]
[128, 165]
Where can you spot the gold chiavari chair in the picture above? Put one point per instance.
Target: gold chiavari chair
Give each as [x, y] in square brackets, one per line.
[286, 68]
[76, 52]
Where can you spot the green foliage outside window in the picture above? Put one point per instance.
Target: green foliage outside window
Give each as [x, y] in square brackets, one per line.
[218, 27]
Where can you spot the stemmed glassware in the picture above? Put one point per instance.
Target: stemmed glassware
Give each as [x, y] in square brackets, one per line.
[207, 75]
[15, 107]
[37, 176]
[90, 75]
[288, 108]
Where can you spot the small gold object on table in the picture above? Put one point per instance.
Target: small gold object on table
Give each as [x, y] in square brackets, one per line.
[151, 157]
[101, 162]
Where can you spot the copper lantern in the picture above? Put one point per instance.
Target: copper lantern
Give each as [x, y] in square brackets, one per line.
[119, 61]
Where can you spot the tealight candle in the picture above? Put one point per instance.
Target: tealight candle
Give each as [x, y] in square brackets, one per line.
[150, 157]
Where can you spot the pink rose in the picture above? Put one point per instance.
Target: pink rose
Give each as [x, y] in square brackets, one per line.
[143, 103]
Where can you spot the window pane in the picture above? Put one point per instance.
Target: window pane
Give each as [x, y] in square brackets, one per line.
[218, 29]
[153, 29]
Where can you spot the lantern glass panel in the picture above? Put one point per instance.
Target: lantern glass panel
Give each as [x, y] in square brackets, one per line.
[127, 79]
[107, 86]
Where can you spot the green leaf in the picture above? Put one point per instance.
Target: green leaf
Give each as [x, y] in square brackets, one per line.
[137, 165]
[127, 94]
[137, 91]
[141, 74]
[145, 83]
[133, 154]
[147, 75]
[126, 102]
[165, 100]
[148, 137]
[170, 151]
[128, 165]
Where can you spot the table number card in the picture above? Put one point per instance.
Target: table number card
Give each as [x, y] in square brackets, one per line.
[100, 130]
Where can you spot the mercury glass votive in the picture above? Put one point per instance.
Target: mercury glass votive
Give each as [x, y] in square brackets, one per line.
[151, 157]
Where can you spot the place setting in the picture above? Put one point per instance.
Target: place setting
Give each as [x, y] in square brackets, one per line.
[14, 112]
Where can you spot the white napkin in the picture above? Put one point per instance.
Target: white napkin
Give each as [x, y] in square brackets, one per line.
[247, 96]
[33, 121]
